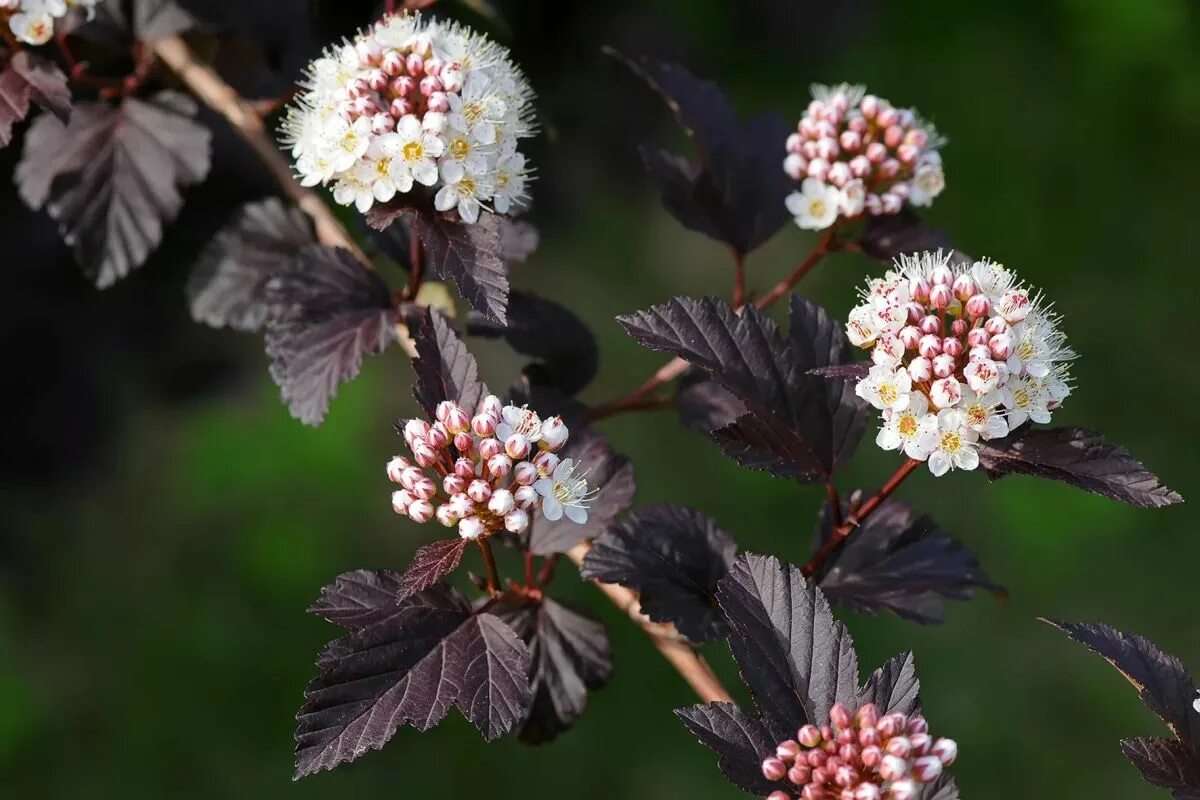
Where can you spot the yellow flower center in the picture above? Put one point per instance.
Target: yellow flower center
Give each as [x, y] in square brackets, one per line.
[951, 442]
[977, 415]
[1025, 350]
[383, 166]
[459, 148]
[413, 151]
[817, 208]
[888, 393]
[466, 187]
[473, 112]
[1021, 398]
[908, 425]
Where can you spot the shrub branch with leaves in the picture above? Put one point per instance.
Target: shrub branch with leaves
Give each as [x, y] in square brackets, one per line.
[416, 123]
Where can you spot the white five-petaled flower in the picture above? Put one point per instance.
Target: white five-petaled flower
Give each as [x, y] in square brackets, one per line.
[984, 414]
[886, 387]
[1025, 400]
[912, 429]
[32, 21]
[815, 206]
[565, 492]
[519, 419]
[954, 443]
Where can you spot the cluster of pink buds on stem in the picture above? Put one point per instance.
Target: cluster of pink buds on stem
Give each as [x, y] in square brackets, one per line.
[859, 756]
[961, 352]
[487, 472]
[854, 153]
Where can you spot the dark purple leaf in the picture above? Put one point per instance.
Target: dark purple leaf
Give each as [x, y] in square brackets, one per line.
[944, 788]
[850, 372]
[1168, 763]
[741, 741]
[111, 178]
[328, 311]
[795, 657]
[893, 687]
[430, 564]
[547, 401]
[756, 442]
[142, 20]
[228, 284]
[891, 235]
[673, 557]
[897, 563]
[542, 329]
[704, 405]
[736, 191]
[26, 78]
[1081, 458]
[571, 657]
[359, 598]
[445, 369]
[410, 667]
[608, 473]
[1162, 681]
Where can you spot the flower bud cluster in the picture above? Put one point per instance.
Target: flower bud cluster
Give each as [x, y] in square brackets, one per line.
[860, 756]
[854, 154]
[960, 352]
[32, 21]
[415, 101]
[487, 472]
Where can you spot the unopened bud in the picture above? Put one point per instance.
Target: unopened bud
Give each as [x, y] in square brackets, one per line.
[378, 80]
[396, 467]
[839, 715]
[774, 769]
[546, 463]
[464, 468]
[502, 502]
[921, 743]
[892, 724]
[868, 791]
[907, 153]
[424, 488]
[400, 108]
[788, 750]
[809, 736]
[902, 790]
[952, 347]
[869, 737]
[489, 448]
[457, 420]
[813, 792]
[931, 324]
[500, 465]
[438, 437]
[871, 756]
[462, 505]
[401, 500]
[839, 174]
[796, 166]
[794, 141]
[429, 84]
[875, 152]
[959, 327]
[1001, 346]
[393, 63]
[930, 345]
[860, 166]
[800, 773]
[893, 136]
[471, 528]
[892, 768]
[454, 484]
[382, 123]
[420, 511]
[439, 103]
[940, 296]
[415, 64]
[820, 776]
[415, 429]
[946, 751]
[446, 516]
[464, 443]
[869, 106]
[995, 326]
[525, 473]
[909, 337]
[484, 425]
[779, 795]
[423, 454]
[479, 491]
[898, 746]
[978, 306]
[963, 287]
[517, 446]
[525, 496]
[926, 769]
[920, 370]
[850, 141]
[845, 776]
[491, 405]
[516, 520]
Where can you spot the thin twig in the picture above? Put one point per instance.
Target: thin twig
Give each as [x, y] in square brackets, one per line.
[208, 86]
[739, 278]
[827, 244]
[489, 562]
[669, 642]
[416, 254]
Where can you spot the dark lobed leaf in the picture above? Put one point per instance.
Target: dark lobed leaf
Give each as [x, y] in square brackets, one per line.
[564, 346]
[547, 401]
[445, 369]
[430, 564]
[570, 657]
[760, 442]
[29, 78]
[736, 193]
[609, 474]
[359, 598]
[850, 372]
[673, 557]
[328, 311]
[1168, 763]
[1080, 457]
[704, 405]
[142, 20]
[944, 788]
[1161, 679]
[795, 657]
[886, 237]
[740, 741]
[897, 563]
[228, 284]
[894, 686]
[112, 176]
[410, 667]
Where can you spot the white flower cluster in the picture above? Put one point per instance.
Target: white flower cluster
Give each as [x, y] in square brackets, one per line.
[415, 101]
[32, 21]
[491, 471]
[960, 352]
[857, 154]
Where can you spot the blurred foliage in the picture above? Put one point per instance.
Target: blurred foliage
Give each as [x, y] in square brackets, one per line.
[152, 635]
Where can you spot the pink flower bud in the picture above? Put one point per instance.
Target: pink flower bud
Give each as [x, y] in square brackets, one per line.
[446, 516]
[978, 306]
[907, 154]
[940, 296]
[415, 429]
[839, 715]
[825, 129]
[465, 468]
[502, 502]
[867, 791]
[799, 774]
[396, 467]
[438, 437]
[809, 736]
[393, 63]
[818, 168]
[500, 465]
[848, 753]
[920, 370]
[794, 141]
[898, 746]
[860, 166]
[546, 462]
[915, 312]
[788, 750]
[845, 776]
[516, 520]
[1001, 346]
[382, 123]
[890, 203]
[875, 152]
[978, 337]
[981, 353]
[774, 769]
[464, 443]
[899, 189]
[484, 425]
[850, 141]
[429, 85]
[826, 733]
[873, 204]
[423, 454]
[461, 505]
[420, 511]
[995, 326]
[796, 166]
[918, 289]
[457, 420]
[959, 327]
[525, 473]
[892, 768]
[813, 792]
[454, 484]
[525, 497]
[471, 528]
[554, 434]
[401, 500]
[893, 136]
[439, 102]
[364, 106]
[930, 345]
[887, 116]
[369, 51]
[921, 743]
[869, 737]
[489, 448]
[909, 337]
[917, 137]
[409, 477]
[779, 795]
[809, 150]
[820, 776]
[945, 393]
[517, 446]
[926, 769]
[902, 790]
[839, 174]
[869, 106]
[434, 66]
[400, 108]
[952, 347]
[424, 488]
[964, 287]
[871, 756]
[378, 80]
[946, 751]
[889, 168]
[479, 490]
[415, 64]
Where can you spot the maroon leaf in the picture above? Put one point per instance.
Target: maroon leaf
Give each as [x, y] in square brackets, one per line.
[445, 369]
[886, 237]
[673, 557]
[897, 563]
[111, 178]
[894, 686]
[570, 657]
[608, 473]
[228, 284]
[430, 564]
[27, 77]
[704, 405]
[850, 372]
[328, 312]
[359, 598]
[794, 656]
[757, 442]
[1080, 457]
[142, 20]
[410, 667]
[741, 741]
[1167, 763]
[736, 193]
[1162, 681]
[564, 346]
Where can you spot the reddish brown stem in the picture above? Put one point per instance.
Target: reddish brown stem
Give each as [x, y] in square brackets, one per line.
[835, 503]
[529, 584]
[631, 404]
[827, 244]
[739, 278]
[489, 562]
[859, 516]
[547, 572]
[416, 254]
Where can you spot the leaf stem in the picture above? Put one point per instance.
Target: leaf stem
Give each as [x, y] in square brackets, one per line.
[673, 646]
[835, 503]
[631, 404]
[843, 530]
[416, 254]
[489, 562]
[547, 572]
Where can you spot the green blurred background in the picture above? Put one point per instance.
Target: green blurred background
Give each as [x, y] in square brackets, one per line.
[153, 640]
